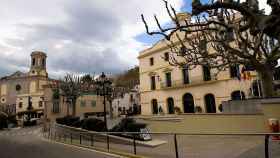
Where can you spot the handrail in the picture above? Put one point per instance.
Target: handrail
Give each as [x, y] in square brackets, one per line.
[171, 133]
[58, 130]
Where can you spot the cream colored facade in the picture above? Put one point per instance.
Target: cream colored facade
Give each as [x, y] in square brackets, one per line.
[220, 88]
[18, 87]
[86, 104]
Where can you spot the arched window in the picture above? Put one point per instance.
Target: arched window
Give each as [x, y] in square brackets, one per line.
[188, 103]
[210, 103]
[33, 61]
[238, 95]
[154, 106]
[170, 105]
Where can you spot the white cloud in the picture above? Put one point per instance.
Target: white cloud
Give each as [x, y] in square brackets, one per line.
[78, 36]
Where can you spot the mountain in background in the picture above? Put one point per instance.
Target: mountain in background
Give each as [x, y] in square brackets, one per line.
[128, 79]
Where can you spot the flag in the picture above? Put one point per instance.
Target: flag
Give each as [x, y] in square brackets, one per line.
[246, 75]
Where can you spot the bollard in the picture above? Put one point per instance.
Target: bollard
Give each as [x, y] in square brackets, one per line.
[71, 138]
[176, 145]
[91, 140]
[80, 138]
[108, 146]
[134, 144]
[266, 142]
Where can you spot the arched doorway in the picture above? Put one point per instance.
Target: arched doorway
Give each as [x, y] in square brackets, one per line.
[170, 105]
[237, 95]
[188, 103]
[210, 103]
[155, 106]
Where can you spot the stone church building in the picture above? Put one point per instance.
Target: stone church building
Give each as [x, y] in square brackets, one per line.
[20, 90]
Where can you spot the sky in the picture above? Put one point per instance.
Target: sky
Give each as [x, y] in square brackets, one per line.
[86, 36]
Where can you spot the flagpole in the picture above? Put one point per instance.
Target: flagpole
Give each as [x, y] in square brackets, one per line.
[259, 89]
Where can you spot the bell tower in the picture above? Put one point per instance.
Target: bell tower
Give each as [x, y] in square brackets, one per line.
[38, 64]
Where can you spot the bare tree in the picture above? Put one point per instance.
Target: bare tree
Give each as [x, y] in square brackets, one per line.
[71, 90]
[223, 33]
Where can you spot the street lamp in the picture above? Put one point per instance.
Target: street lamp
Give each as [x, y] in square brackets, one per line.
[104, 89]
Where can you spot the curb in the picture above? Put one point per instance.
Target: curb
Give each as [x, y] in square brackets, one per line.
[113, 153]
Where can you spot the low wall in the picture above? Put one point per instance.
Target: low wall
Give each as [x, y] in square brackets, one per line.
[207, 123]
[217, 123]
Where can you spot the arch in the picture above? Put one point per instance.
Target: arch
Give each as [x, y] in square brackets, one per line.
[210, 103]
[170, 105]
[154, 106]
[188, 103]
[238, 95]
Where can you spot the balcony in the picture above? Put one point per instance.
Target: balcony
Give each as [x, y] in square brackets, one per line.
[194, 81]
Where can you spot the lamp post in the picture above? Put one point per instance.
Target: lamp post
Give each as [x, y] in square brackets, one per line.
[104, 89]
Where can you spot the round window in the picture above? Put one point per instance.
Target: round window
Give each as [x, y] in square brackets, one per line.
[3, 100]
[18, 87]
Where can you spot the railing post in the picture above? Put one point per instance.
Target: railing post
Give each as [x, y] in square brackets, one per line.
[134, 144]
[55, 135]
[49, 133]
[108, 146]
[176, 145]
[80, 138]
[266, 143]
[91, 140]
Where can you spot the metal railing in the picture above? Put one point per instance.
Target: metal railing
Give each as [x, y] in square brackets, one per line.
[107, 140]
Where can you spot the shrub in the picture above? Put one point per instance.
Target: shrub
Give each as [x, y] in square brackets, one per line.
[3, 122]
[177, 110]
[135, 127]
[67, 120]
[93, 124]
[30, 123]
[128, 125]
[198, 109]
[12, 119]
[78, 123]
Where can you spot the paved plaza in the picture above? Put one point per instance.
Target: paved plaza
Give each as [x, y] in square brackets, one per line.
[188, 146]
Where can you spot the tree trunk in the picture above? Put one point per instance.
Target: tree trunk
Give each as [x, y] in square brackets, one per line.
[74, 107]
[111, 109]
[266, 76]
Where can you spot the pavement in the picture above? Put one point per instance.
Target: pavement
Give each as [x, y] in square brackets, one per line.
[26, 142]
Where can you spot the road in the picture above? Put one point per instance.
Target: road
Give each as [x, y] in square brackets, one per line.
[26, 142]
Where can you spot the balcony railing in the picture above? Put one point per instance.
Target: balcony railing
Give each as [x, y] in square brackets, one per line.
[194, 80]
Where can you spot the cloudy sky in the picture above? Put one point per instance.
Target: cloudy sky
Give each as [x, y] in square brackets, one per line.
[79, 36]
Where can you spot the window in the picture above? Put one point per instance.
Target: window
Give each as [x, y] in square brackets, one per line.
[20, 105]
[153, 82]
[234, 71]
[131, 98]
[206, 73]
[18, 87]
[33, 61]
[168, 79]
[43, 62]
[83, 103]
[56, 108]
[276, 75]
[151, 61]
[40, 104]
[166, 56]
[185, 72]
[93, 103]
